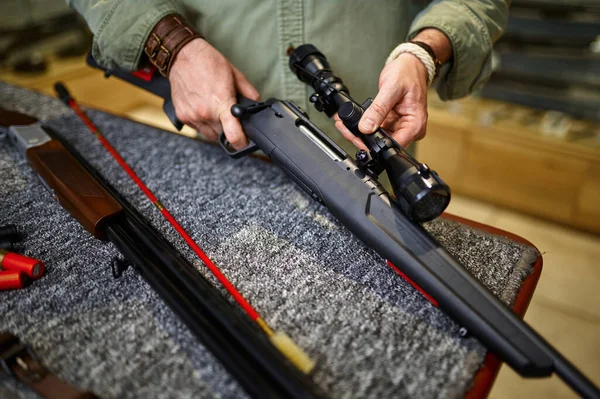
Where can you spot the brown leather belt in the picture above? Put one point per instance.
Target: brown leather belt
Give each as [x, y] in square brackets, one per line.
[19, 361]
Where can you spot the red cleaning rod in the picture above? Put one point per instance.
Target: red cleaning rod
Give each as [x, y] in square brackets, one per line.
[66, 97]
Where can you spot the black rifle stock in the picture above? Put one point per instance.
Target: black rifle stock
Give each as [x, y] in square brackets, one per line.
[329, 175]
[146, 81]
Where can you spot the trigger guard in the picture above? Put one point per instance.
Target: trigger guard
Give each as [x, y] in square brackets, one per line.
[250, 148]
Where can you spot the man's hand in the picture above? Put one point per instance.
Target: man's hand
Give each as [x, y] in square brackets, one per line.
[400, 107]
[204, 85]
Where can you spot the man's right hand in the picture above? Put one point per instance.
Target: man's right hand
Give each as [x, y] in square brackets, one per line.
[204, 85]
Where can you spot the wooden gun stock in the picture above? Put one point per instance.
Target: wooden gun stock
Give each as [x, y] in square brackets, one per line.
[73, 187]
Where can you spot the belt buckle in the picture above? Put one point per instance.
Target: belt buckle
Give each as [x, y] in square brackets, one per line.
[14, 355]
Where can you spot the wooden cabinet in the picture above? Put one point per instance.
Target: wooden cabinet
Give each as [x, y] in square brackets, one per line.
[505, 159]
[587, 208]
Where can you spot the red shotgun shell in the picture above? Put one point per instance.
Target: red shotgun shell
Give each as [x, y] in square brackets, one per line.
[33, 268]
[11, 280]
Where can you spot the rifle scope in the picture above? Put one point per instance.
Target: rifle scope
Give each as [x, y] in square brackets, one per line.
[421, 193]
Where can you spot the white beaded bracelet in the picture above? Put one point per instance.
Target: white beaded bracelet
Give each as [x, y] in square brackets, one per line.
[418, 52]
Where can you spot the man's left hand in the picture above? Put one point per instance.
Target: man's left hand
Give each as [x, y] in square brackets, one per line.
[400, 107]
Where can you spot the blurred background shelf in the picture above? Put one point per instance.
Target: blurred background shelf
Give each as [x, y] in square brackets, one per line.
[501, 154]
[529, 140]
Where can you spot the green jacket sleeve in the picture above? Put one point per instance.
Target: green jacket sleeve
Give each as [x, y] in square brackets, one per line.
[473, 26]
[121, 27]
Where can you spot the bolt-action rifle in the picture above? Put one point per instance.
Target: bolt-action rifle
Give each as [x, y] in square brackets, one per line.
[389, 224]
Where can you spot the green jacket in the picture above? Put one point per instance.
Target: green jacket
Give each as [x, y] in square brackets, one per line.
[356, 36]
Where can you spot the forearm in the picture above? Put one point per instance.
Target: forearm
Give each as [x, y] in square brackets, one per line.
[121, 27]
[459, 32]
[472, 27]
[438, 41]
